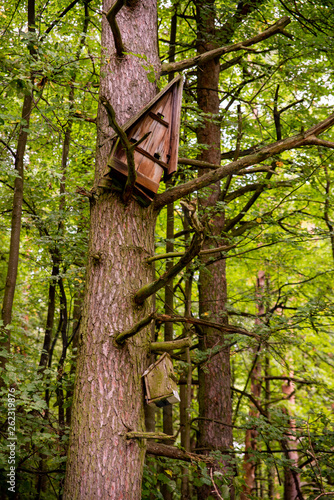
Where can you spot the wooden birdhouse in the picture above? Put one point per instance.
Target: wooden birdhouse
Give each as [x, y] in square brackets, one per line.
[160, 382]
[157, 155]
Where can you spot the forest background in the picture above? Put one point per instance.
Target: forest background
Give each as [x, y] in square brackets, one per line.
[254, 292]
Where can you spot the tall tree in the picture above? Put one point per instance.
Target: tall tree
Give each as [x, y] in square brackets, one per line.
[13, 259]
[108, 399]
[105, 459]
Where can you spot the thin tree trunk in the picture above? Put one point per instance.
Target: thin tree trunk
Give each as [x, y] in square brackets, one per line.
[169, 309]
[14, 249]
[76, 316]
[271, 468]
[185, 388]
[292, 490]
[250, 464]
[43, 362]
[108, 399]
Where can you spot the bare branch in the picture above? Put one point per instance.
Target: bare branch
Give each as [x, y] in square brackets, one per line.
[297, 141]
[208, 251]
[227, 329]
[147, 435]
[171, 345]
[164, 450]
[213, 54]
[111, 18]
[58, 18]
[151, 288]
[127, 145]
[121, 337]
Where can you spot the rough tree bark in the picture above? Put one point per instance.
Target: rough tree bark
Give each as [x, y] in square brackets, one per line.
[108, 398]
[214, 377]
[214, 393]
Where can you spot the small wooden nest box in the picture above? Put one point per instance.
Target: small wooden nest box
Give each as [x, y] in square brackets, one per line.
[157, 155]
[160, 382]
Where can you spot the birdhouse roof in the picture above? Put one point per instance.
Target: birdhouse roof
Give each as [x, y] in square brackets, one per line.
[177, 81]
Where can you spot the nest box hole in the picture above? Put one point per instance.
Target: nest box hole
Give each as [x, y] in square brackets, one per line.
[161, 116]
[157, 156]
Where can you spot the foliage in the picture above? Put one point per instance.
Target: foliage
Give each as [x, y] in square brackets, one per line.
[287, 233]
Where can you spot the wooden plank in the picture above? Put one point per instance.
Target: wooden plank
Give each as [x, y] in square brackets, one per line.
[118, 185]
[117, 166]
[152, 158]
[159, 133]
[158, 119]
[175, 128]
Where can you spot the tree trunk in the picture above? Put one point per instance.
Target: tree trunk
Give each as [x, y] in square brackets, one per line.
[108, 399]
[214, 376]
[168, 327]
[13, 260]
[185, 388]
[292, 489]
[251, 436]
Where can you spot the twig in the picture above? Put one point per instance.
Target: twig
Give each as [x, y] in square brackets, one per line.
[227, 329]
[127, 145]
[215, 487]
[111, 18]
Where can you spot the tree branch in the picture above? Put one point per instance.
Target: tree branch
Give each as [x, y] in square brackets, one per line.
[208, 251]
[127, 145]
[8, 147]
[164, 450]
[121, 337]
[256, 185]
[111, 18]
[58, 18]
[227, 329]
[252, 399]
[151, 288]
[314, 141]
[213, 54]
[147, 435]
[170, 345]
[303, 139]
